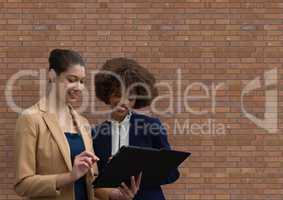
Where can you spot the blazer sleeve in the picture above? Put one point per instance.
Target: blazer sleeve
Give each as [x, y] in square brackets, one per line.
[160, 141]
[28, 183]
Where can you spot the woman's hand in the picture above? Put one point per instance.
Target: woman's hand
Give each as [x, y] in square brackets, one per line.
[82, 163]
[124, 192]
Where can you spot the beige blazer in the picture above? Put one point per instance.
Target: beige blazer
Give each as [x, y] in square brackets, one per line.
[42, 152]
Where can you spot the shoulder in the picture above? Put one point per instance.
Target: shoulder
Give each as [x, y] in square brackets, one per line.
[145, 118]
[28, 121]
[103, 128]
[30, 114]
[148, 124]
[101, 125]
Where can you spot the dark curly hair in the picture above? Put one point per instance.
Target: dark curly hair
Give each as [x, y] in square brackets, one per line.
[132, 75]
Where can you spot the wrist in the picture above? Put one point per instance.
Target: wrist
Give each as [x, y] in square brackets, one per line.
[114, 194]
[71, 177]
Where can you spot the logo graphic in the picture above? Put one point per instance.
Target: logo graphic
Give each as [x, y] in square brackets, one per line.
[270, 121]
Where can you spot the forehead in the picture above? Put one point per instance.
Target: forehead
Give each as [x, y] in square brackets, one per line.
[76, 70]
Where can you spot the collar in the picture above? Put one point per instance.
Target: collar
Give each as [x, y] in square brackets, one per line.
[126, 120]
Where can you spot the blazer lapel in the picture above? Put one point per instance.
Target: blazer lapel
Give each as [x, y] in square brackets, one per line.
[85, 131]
[52, 122]
[133, 131]
[108, 139]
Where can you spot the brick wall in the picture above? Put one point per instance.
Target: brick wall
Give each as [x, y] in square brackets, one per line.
[208, 51]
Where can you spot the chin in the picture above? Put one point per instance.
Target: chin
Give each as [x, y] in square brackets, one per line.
[123, 114]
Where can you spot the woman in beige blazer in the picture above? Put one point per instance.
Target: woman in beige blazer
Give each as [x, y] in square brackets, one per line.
[49, 165]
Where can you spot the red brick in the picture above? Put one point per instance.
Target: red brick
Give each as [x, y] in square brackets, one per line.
[211, 41]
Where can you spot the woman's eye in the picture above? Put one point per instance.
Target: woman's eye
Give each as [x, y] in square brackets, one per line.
[71, 80]
[82, 81]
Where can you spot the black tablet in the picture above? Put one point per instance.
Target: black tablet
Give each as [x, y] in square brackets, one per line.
[154, 164]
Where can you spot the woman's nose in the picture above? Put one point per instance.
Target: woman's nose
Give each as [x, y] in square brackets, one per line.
[80, 86]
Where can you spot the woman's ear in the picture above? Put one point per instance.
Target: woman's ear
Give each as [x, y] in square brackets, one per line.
[51, 76]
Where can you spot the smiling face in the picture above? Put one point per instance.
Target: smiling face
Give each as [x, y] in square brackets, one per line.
[70, 84]
[121, 106]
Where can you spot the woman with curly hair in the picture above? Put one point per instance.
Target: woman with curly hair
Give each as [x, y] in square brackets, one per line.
[124, 85]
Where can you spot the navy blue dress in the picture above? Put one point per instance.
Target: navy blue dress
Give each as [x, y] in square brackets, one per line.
[76, 147]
